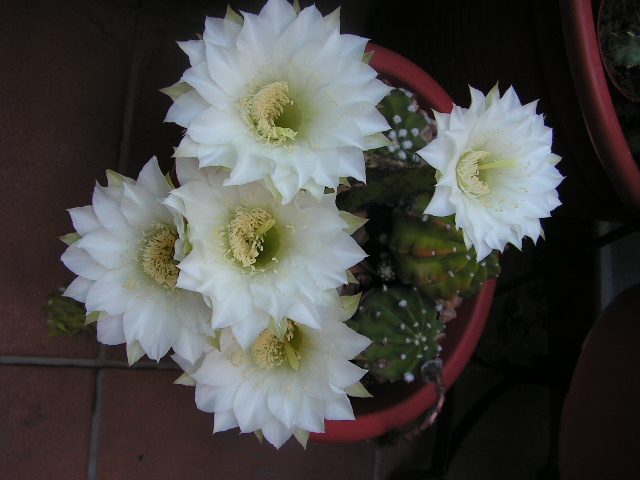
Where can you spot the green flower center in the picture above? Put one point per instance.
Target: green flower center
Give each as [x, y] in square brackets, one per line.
[272, 117]
[269, 352]
[253, 242]
[157, 257]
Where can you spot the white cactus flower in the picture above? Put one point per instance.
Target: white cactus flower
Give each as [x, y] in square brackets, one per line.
[280, 96]
[495, 170]
[256, 260]
[281, 388]
[124, 253]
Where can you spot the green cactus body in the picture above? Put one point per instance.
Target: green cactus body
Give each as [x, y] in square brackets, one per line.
[430, 253]
[408, 124]
[404, 328]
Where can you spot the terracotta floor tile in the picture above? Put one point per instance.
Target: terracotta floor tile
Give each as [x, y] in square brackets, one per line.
[45, 422]
[64, 84]
[151, 428]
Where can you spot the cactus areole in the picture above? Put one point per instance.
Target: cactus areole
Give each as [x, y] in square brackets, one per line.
[394, 404]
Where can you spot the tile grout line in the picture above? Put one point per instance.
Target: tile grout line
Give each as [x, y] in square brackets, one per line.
[17, 361]
[92, 469]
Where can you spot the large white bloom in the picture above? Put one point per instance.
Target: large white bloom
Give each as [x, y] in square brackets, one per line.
[123, 254]
[281, 388]
[257, 260]
[495, 170]
[279, 96]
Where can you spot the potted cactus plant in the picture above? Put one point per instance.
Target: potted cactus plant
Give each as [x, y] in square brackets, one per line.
[257, 269]
[409, 294]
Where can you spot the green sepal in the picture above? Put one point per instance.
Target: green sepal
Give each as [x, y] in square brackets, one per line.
[185, 379]
[134, 352]
[233, 16]
[366, 58]
[302, 436]
[167, 177]
[70, 238]
[115, 179]
[377, 140]
[349, 304]
[351, 278]
[357, 390]
[259, 435]
[92, 317]
[344, 181]
[189, 150]
[176, 90]
[353, 221]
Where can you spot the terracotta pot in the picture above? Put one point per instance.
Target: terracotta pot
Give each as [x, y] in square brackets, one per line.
[595, 100]
[396, 404]
[520, 44]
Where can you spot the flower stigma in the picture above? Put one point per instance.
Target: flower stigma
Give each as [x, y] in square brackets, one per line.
[269, 352]
[249, 243]
[270, 114]
[157, 257]
[468, 173]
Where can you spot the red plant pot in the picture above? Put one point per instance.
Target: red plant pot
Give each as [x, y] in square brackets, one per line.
[596, 104]
[396, 404]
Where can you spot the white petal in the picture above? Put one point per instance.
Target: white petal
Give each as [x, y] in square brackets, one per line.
[223, 421]
[78, 289]
[110, 330]
[250, 407]
[84, 219]
[81, 263]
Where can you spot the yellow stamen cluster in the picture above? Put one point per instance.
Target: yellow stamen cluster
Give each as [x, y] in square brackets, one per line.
[269, 352]
[261, 110]
[468, 173]
[157, 257]
[246, 233]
